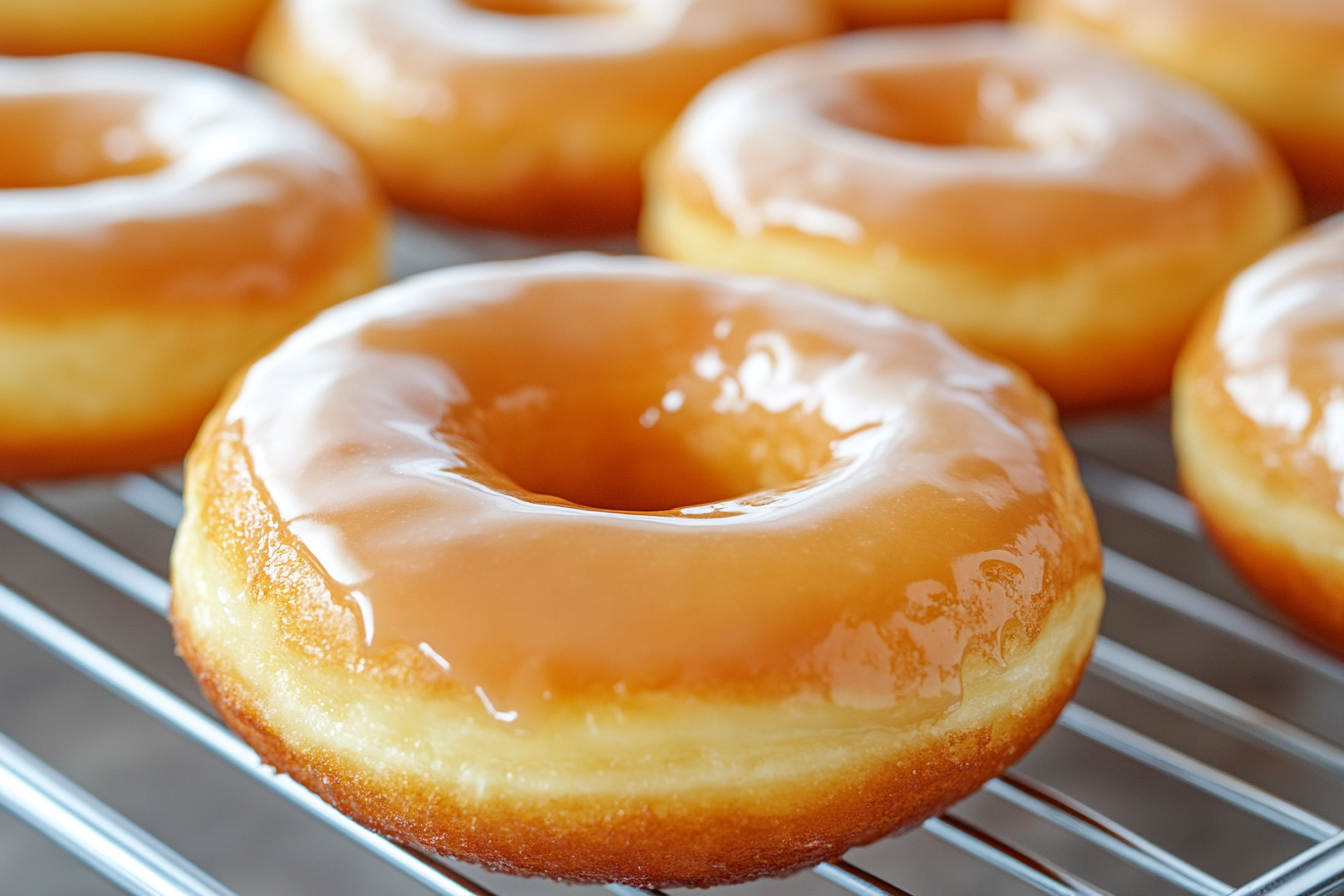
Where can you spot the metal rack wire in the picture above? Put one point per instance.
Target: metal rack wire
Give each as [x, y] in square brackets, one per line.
[1223, 707]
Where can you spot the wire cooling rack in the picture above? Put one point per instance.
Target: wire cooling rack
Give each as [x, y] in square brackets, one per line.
[1203, 753]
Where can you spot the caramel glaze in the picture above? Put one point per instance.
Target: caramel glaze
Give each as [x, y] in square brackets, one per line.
[212, 31]
[1012, 154]
[1268, 366]
[133, 183]
[577, 476]
[1277, 62]
[531, 114]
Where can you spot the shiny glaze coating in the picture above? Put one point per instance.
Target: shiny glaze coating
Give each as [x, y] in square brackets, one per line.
[160, 223]
[213, 31]
[589, 508]
[530, 115]
[975, 174]
[1260, 420]
[1276, 62]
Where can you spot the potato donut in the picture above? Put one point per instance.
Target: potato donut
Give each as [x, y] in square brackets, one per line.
[1279, 63]
[161, 223]
[1042, 199]
[522, 115]
[1258, 426]
[611, 570]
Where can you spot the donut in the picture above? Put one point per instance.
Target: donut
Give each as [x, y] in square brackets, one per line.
[1043, 200]
[877, 13]
[495, 114]
[610, 570]
[1257, 410]
[1277, 62]
[211, 31]
[161, 223]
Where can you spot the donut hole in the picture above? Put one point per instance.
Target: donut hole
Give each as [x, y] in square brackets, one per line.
[624, 451]
[616, 398]
[971, 104]
[57, 142]
[549, 7]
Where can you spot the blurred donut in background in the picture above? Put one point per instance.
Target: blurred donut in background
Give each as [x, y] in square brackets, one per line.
[1043, 199]
[530, 116]
[161, 223]
[1259, 428]
[1279, 63]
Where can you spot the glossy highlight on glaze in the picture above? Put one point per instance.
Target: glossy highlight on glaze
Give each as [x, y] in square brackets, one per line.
[242, 200]
[1014, 149]
[1276, 361]
[579, 475]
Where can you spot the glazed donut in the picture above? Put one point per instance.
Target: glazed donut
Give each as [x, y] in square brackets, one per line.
[475, 110]
[877, 13]
[213, 31]
[1043, 200]
[160, 224]
[1258, 408]
[1277, 62]
[609, 570]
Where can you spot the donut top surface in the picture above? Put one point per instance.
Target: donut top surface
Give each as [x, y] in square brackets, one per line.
[1269, 363]
[584, 475]
[140, 181]
[1015, 149]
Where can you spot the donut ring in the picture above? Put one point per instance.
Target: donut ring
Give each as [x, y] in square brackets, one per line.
[608, 570]
[1257, 413]
[530, 122]
[1046, 202]
[211, 31]
[1276, 62]
[160, 224]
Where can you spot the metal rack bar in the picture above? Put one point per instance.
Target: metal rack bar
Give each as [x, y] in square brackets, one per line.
[1215, 783]
[1039, 873]
[1097, 829]
[1148, 499]
[148, 695]
[1316, 871]
[1195, 699]
[1173, 594]
[23, 514]
[151, 497]
[106, 841]
[856, 880]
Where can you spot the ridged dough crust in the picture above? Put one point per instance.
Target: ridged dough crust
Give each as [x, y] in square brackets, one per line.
[668, 790]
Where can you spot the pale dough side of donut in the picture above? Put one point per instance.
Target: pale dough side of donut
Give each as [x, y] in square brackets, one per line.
[97, 389]
[709, 790]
